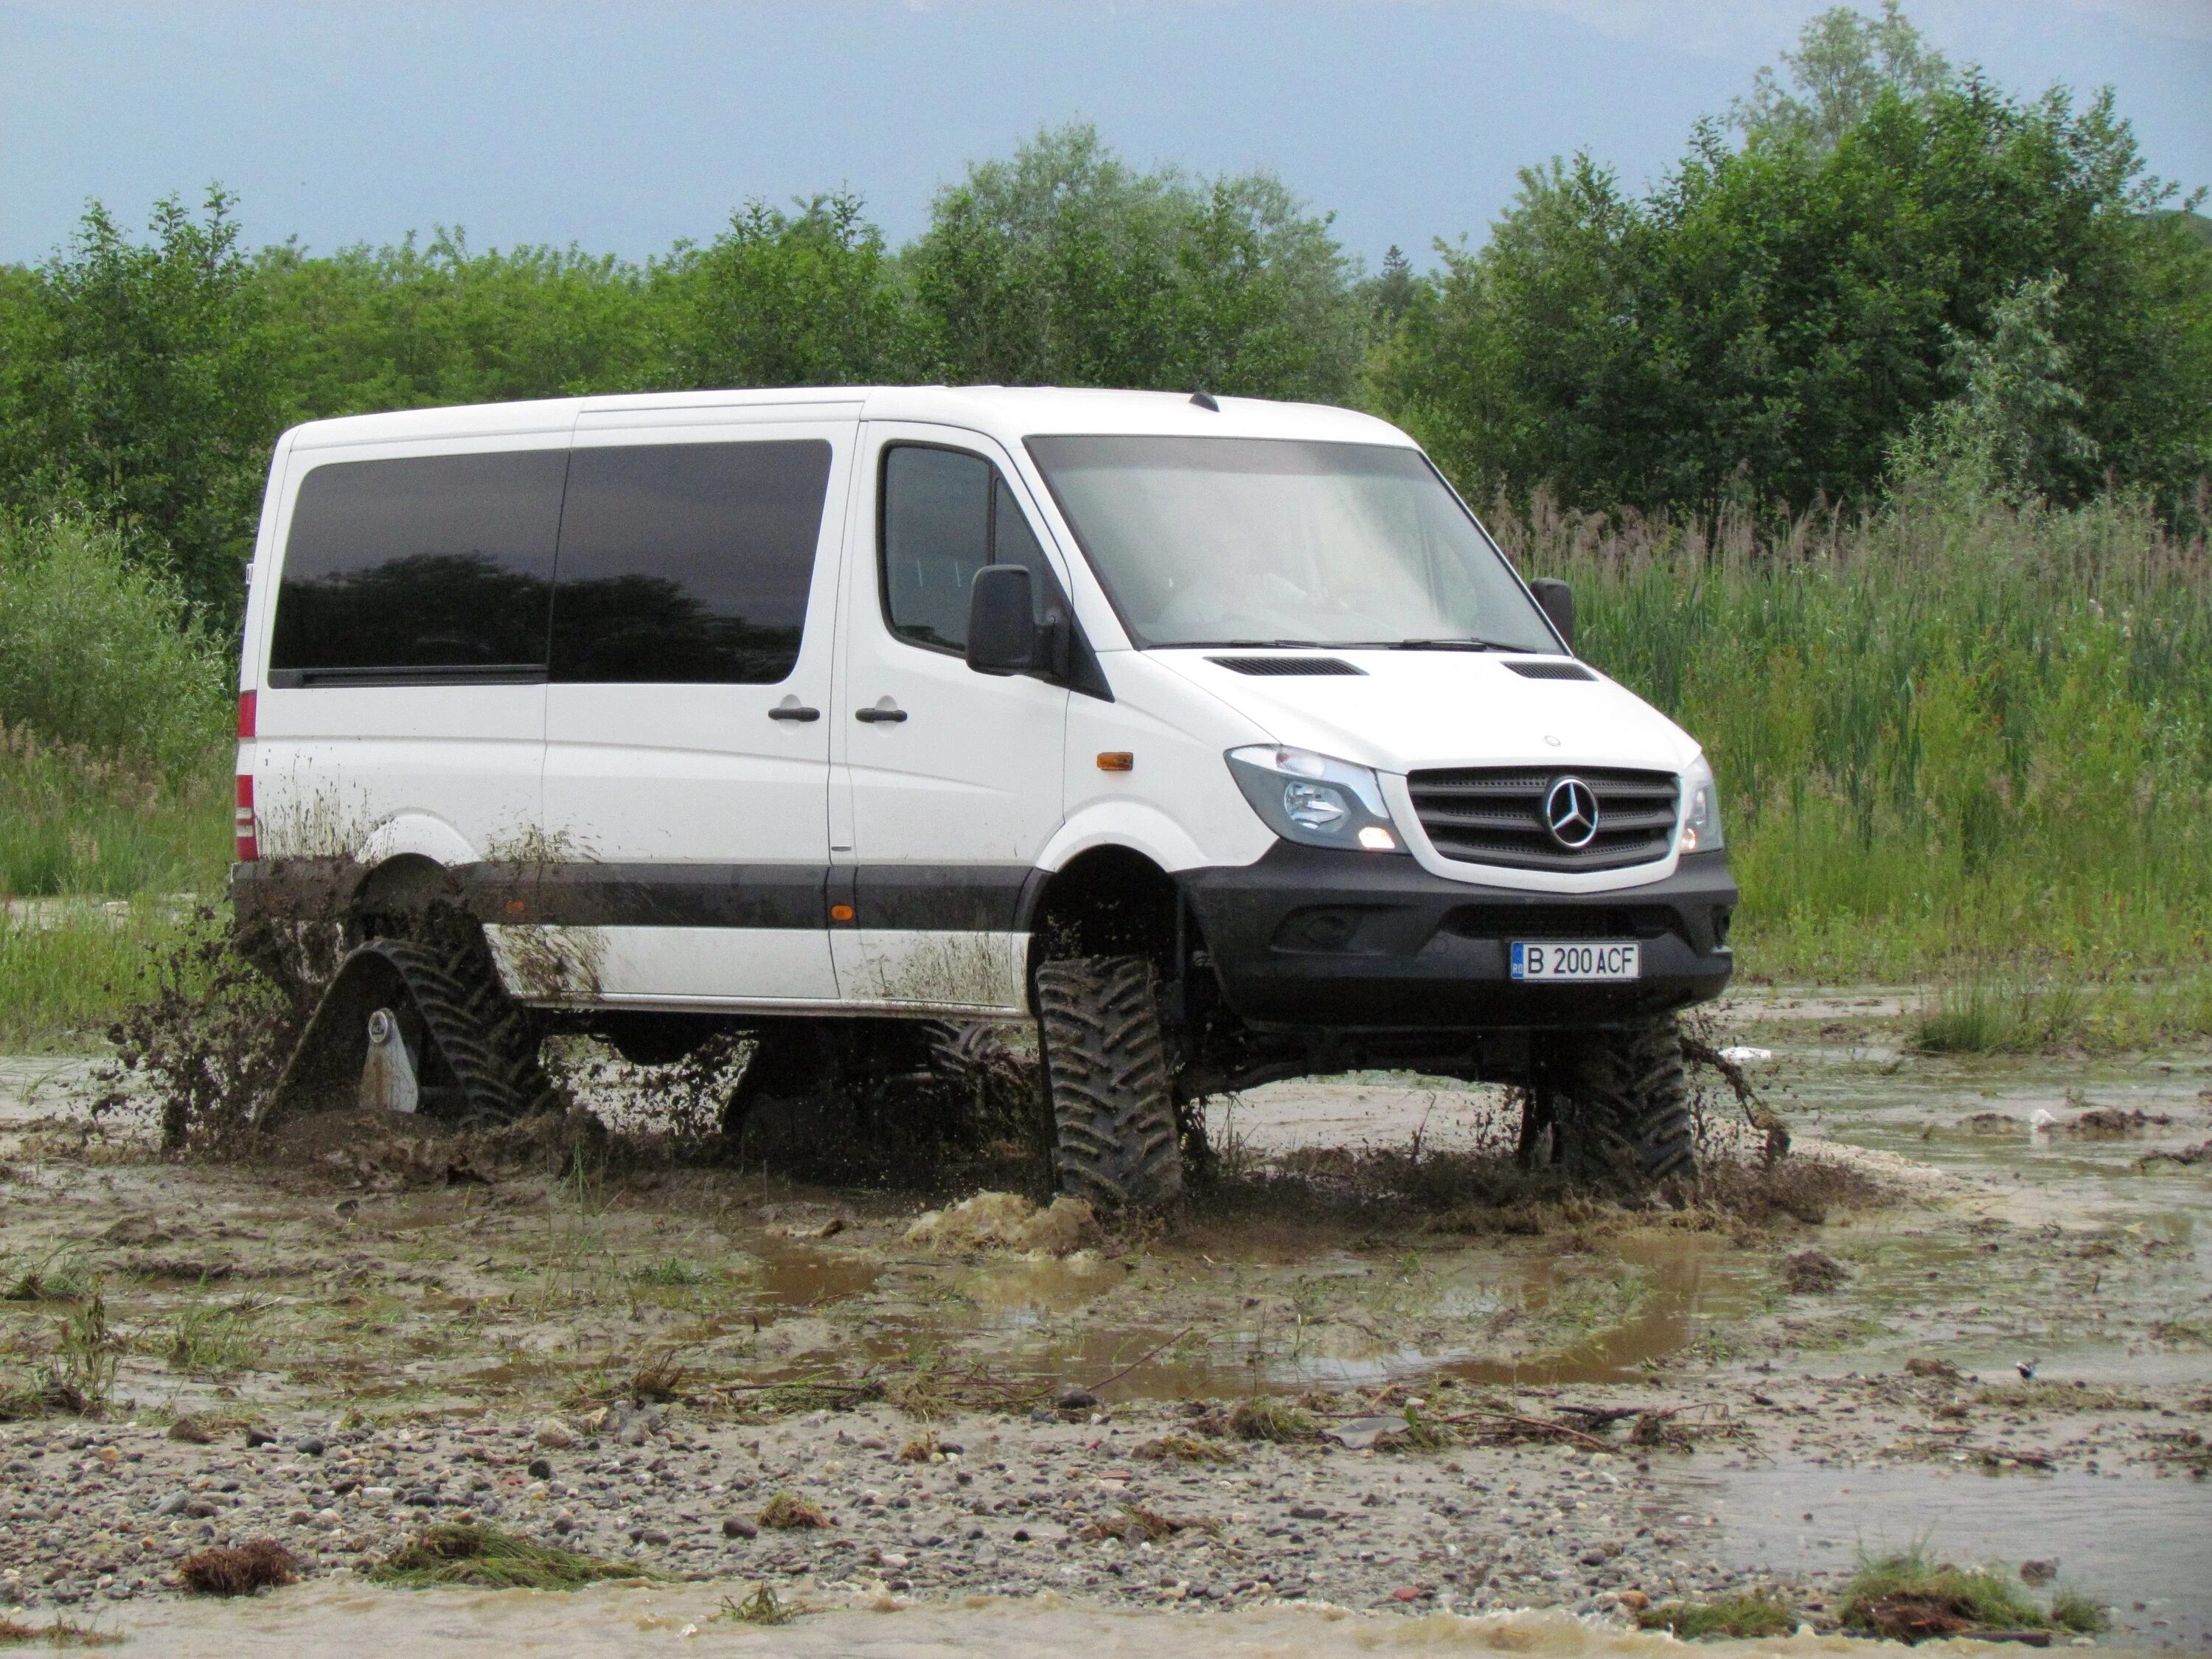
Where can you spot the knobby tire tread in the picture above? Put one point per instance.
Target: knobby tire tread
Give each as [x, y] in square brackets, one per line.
[488, 1043]
[1117, 1142]
[1625, 1110]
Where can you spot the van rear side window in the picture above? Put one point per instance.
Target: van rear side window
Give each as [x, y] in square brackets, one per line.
[688, 562]
[433, 567]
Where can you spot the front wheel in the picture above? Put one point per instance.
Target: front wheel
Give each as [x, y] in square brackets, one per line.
[1115, 1136]
[1618, 1102]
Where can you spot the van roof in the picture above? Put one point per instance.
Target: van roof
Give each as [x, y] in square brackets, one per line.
[1010, 413]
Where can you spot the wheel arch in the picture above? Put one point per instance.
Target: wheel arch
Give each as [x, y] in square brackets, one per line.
[1109, 900]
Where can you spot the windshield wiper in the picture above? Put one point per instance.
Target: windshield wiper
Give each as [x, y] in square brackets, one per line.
[1449, 645]
[1249, 645]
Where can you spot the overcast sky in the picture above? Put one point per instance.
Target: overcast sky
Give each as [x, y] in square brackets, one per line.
[623, 127]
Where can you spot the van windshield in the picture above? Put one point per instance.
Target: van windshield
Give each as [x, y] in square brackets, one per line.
[1269, 541]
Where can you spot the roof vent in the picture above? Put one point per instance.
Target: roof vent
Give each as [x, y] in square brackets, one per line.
[1265, 665]
[1553, 668]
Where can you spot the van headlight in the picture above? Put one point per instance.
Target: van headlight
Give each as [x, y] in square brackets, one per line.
[1313, 799]
[1701, 824]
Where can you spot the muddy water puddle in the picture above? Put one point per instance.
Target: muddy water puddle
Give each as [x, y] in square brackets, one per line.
[328, 1620]
[2139, 1544]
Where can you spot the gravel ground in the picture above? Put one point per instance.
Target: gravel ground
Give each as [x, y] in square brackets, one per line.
[1010, 1505]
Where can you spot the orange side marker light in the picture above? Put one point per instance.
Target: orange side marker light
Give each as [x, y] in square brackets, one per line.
[841, 913]
[1117, 760]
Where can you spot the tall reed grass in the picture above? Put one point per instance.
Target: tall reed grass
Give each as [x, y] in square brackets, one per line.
[114, 722]
[1950, 735]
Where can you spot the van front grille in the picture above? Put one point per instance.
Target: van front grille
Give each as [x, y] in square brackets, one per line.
[1495, 815]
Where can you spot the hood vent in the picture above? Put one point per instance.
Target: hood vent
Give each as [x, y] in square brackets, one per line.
[1263, 666]
[1551, 668]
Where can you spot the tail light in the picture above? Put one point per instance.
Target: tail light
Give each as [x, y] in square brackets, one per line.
[249, 842]
[245, 701]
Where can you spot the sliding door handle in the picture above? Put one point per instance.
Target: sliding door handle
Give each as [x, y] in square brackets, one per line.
[792, 709]
[884, 712]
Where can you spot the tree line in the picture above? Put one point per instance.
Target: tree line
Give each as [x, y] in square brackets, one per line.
[1874, 263]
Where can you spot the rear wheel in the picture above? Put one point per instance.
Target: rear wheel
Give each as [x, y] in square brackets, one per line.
[1619, 1104]
[1115, 1137]
[474, 1050]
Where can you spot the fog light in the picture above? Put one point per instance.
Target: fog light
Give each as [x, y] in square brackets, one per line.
[1375, 839]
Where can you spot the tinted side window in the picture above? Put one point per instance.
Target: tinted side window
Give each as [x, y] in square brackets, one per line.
[442, 562]
[945, 515]
[688, 562]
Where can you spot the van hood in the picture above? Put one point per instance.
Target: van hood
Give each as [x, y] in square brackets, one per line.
[1409, 709]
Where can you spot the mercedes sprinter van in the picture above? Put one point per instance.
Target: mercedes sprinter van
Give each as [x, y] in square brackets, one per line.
[1215, 737]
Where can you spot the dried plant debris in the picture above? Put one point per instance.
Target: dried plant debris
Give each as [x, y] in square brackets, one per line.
[1812, 1272]
[1263, 1419]
[264, 1564]
[788, 1512]
[1184, 1449]
[1136, 1524]
[463, 1553]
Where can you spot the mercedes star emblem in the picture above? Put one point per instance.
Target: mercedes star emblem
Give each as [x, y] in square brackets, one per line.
[1570, 813]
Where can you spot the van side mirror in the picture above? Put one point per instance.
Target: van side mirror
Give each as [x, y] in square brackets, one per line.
[1558, 602]
[1002, 631]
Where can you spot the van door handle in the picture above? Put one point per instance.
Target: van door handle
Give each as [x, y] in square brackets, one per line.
[792, 709]
[885, 713]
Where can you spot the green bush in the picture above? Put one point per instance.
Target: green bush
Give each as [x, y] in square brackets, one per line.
[100, 654]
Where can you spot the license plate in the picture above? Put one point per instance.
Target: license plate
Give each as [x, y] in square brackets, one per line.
[1576, 958]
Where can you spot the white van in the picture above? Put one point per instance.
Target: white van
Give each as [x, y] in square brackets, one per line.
[1215, 736]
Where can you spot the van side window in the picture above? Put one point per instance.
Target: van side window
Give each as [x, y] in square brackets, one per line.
[945, 515]
[688, 562]
[434, 566]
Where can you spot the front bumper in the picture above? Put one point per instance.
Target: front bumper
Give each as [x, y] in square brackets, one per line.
[1309, 936]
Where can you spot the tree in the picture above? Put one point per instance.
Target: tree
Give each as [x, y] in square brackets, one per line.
[1064, 265]
[137, 380]
[803, 299]
[409, 325]
[2014, 426]
[1844, 63]
[1767, 322]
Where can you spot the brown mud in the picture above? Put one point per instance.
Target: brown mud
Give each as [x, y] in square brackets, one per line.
[1612, 1402]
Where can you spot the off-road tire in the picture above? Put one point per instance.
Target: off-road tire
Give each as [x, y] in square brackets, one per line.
[1114, 1136]
[1620, 1099]
[476, 1049]
[487, 1040]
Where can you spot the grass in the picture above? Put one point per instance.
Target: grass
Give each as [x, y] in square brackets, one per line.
[83, 825]
[1949, 734]
[206, 1340]
[1911, 1597]
[59, 1633]
[460, 1554]
[1749, 1614]
[761, 1608]
[65, 979]
[1262, 1419]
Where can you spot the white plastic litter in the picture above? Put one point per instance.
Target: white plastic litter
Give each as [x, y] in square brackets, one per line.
[2044, 1118]
[1743, 1056]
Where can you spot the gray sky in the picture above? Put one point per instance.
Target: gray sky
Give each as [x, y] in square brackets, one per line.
[623, 127]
